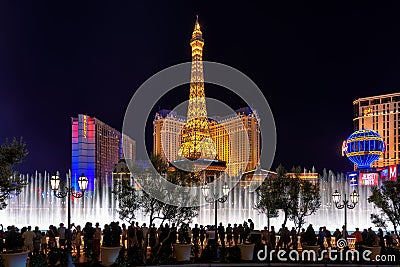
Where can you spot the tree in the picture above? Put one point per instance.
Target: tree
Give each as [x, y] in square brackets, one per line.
[276, 194]
[268, 201]
[156, 195]
[150, 205]
[131, 200]
[287, 193]
[11, 154]
[387, 199]
[379, 220]
[309, 200]
[296, 198]
[128, 200]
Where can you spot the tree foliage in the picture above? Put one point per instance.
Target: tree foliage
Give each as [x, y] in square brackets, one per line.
[132, 200]
[387, 199]
[153, 197]
[379, 220]
[268, 200]
[11, 154]
[128, 201]
[308, 200]
[294, 197]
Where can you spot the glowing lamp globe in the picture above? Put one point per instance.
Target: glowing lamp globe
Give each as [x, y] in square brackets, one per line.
[363, 147]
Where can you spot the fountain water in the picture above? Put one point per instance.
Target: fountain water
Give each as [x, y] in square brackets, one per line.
[241, 200]
[36, 206]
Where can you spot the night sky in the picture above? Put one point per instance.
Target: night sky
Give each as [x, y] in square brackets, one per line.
[310, 59]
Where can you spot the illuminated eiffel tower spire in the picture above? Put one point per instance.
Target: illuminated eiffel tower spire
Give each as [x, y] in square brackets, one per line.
[196, 140]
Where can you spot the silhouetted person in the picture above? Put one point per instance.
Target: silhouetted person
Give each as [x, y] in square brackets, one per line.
[389, 240]
[202, 235]
[152, 236]
[359, 239]
[88, 235]
[247, 231]
[337, 234]
[241, 233]
[96, 239]
[229, 232]
[235, 233]
[251, 224]
[293, 237]
[309, 237]
[124, 235]
[284, 238]
[37, 240]
[371, 238]
[221, 234]
[364, 235]
[328, 237]
[196, 234]
[145, 232]
[173, 234]
[139, 235]
[62, 235]
[302, 233]
[131, 235]
[51, 233]
[321, 238]
[272, 237]
[381, 239]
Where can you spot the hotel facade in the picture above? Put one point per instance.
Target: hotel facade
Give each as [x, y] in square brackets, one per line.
[381, 114]
[225, 132]
[96, 148]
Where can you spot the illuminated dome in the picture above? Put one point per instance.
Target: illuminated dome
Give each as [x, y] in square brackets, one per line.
[363, 147]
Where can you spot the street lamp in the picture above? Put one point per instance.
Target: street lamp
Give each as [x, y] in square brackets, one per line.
[68, 192]
[214, 197]
[336, 197]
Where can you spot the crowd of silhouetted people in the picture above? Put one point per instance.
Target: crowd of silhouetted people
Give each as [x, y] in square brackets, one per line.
[289, 239]
[90, 238]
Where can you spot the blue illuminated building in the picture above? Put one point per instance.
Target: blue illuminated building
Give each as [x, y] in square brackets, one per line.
[96, 148]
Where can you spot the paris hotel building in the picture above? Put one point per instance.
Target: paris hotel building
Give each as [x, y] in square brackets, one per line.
[229, 140]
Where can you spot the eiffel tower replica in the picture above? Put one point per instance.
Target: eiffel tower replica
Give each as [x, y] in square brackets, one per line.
[196, 142]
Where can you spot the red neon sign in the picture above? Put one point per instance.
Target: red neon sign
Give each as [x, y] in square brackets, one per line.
[370, 179]
[393, 173]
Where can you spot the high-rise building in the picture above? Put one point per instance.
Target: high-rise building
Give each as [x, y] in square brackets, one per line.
[167, 135]
[381, 114]
[127, 148]
[96, 148]
[231, 135]
[194, 136]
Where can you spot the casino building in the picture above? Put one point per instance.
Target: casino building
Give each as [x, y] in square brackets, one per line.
[223, 130]
[96, 148]
[381, 114]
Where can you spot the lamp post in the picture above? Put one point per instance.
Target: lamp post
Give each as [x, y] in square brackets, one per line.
[211, 197]
[336, 197]
[55, 184]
